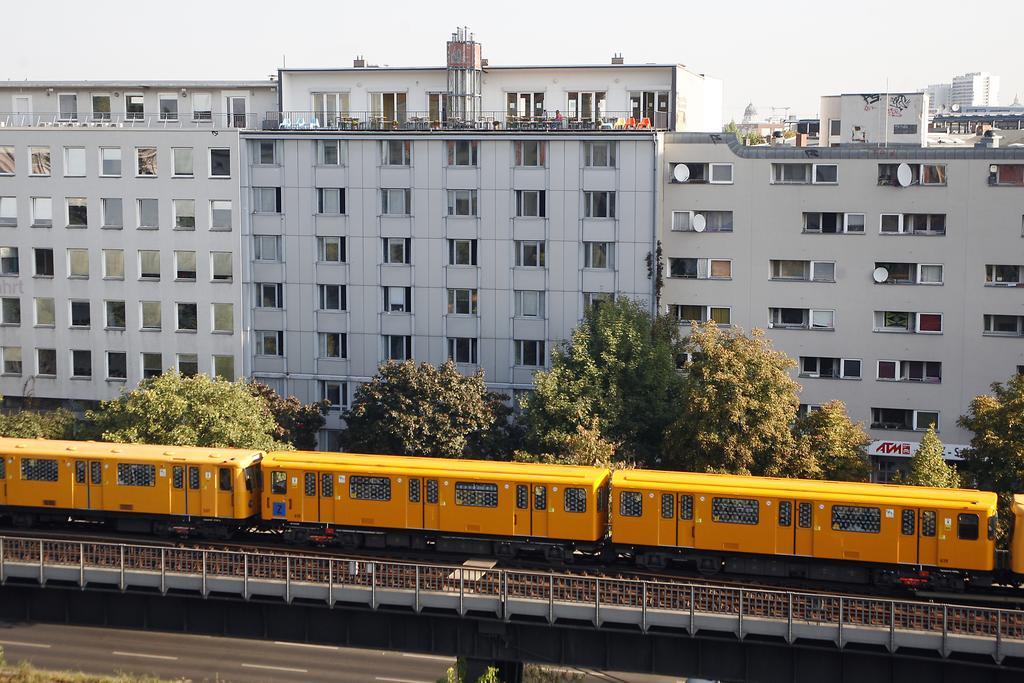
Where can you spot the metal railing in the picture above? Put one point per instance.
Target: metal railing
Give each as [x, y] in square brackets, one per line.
[182, 120]
[548, 121]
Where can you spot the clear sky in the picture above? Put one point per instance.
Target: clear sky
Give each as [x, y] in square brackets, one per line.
[783, 54]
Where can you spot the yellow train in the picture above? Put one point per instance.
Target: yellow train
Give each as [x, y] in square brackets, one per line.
[828, 531]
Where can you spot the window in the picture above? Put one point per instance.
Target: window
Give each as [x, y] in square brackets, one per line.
[149, 214]
[904, 419]
[1004, 325]
[202, 106]
[330, 249]
[43, 262]
[785, 513]
[856, 518]
[835, 127]
[135, 108]
[396, 152]
[74, 162]
[599, 154]
[335, 393]
[529, 303]
[801, 318]
[220, 266]
[785, 174]
[34, 469]
[462, 302]
[78, 212]
[397, 347]
[81, 313]
[594, 299]
[967, 527]
[530, 204]
[149, 264]
[1006, 174]
[168, 103]
[7, 165]
[269, 294]
[114, 315]
[831, 223]
[111, 210]
[369, 488]
[110, 162]
[685, 314]
[904, 321]
[529, 152]
[333, 345]
[188, 365]
[220, 162]
[631, 504]
[269, 342]
[910, 371]
[462, 349]
[223, 315]
[220, 214]
[185, 265]
[266, 152]
[11, 360]
[184, 162]
[331, 297]
[187, 317]
[10, 311]
[599, 204]
[39, 161]
[81, 364]
[224, 367]
[735, 510]
[330, 200]
[575, 499]
[8, 211]
[45, 311]
[145, 158]
[396, 249]
[9, 262]
[267, 199]
[152, 365]
[330, 152]
[266, 247]
[398, 300]
[810, 271]
[462, 203]
[78, 263]
[921, 174]
[278, 483]
[46, 362]
[529, 254]
[395, 202]
[588, 105]
[184, 214]
[830, 368]
[117, 365]
[67, 105]
[600, 255]
[715, 269]
[701, 173]
[1003, 275]
[702, 221]
[462, 252]
[151, 315]
[529, 352]
[913, 224]
[476, 494]
[42, 212]
[463, 152]
[136, 475]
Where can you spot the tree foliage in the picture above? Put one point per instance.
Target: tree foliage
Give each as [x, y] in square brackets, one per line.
[298, 423]
[835, 446]
[995, 458]
[585, 446]
[32, 424]
[188, 411]
[928, 465]
[410, 409]
[616, 373]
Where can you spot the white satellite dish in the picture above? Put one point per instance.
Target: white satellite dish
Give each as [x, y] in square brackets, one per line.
[904, 176]
[880, 275]
[681, 173]
[699, 222]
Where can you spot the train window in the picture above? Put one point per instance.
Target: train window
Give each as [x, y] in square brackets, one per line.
[33, 469]
[928, 523]
[131, 474]
[178, 477]
[856, 518]
[522, 496]
[432, 491]
[414, 490]
[279, 482]
[967, 527]
[225, 479]
[476, 494]
[631, 504]
[79, 471]
[369, 488]
[685, 506]
[602, 498]
[326, 486]
[907, 523]
[309, 483]
[735, 510]
[803, 515]
[540, 498]
[668, 506]
[993, 525]
[785, 513]
[193, 478]
[96, 473]
[250, 474]
[575, 500]
[3, 468]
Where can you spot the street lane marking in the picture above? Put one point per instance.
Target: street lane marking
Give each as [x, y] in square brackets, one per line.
[399, 680]
[275, 668]
[436, 657]
[309, 645]
[144, 655]
[16, 643]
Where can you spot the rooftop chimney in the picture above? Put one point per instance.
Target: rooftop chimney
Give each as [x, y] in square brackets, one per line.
[359, 62]
[617, 58]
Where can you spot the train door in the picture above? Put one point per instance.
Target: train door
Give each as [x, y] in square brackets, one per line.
[414, 514]
[208, 492]
[539, 511]
[927, 542]
[785, 538]
[310, 501]
[95, 485]
[667, 520]
[3, 480]
[178, 491]
[194, 491]
[685, 533]
[521, 514]
[803, 530]
[80, 487]
[906, 545]
[225, 492]
[432, 505]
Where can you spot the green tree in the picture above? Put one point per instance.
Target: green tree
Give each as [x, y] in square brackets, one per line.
[37, 424]
[995, 459]
[188, 411]
[297, 423]
[618, 367]
[585, 446]
[928, 466]
[505, 435]
[409, 409]
[836, 445]
[738, 404]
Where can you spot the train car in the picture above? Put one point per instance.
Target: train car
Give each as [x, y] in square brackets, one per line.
[134, 487]
[470, 506]
[842, 531]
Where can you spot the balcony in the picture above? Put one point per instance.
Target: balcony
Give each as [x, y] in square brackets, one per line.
[182, 121]
[616, 122]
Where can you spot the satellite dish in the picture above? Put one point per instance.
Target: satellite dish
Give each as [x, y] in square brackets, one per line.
[880, 275]
[699, 222]
[681, 173]
[904, 176]
[955, 107]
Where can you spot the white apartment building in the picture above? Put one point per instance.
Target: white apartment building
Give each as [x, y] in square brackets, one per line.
[977, 89]
[874, 119]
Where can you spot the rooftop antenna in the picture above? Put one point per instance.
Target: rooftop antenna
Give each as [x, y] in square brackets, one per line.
[284, 62]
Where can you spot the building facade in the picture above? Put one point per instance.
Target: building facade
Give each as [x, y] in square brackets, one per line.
[977, 89]
[874, 119]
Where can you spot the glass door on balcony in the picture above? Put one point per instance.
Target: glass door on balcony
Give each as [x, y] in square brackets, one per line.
[388, 106]
[651, 105]
[525, 104]
[586, 106]
[329, 107]
[236, 111]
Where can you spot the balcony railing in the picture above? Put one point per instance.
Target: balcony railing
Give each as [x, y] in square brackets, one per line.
[182, 120]
[485, 121]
